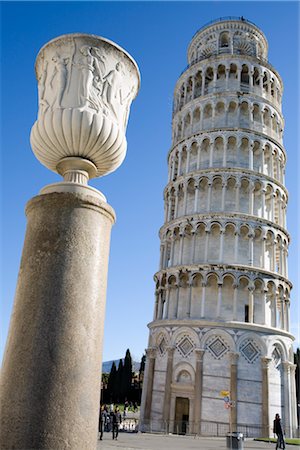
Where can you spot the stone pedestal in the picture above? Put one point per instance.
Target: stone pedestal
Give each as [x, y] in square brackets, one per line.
[52, 364]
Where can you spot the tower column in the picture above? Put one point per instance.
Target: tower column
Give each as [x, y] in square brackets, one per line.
[198, 390]
[167, 396]
[233, 388]
[287, 398]
[148, 386]
[265, 414]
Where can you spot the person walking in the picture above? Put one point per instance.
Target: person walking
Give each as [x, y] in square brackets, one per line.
[102, 421]
[277, 429]
[116, 420]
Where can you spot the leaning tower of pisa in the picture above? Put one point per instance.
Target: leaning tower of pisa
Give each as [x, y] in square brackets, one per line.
[221, 316]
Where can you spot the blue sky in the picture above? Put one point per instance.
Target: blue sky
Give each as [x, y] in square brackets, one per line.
[157, 35]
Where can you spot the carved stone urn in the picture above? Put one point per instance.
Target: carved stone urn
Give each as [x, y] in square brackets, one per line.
[86, 85]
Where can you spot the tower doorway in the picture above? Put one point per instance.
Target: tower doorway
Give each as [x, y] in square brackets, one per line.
[181, 423]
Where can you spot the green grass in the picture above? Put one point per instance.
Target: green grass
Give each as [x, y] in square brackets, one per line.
[287, 441]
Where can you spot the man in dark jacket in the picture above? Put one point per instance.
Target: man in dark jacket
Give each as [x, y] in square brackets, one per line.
[102, 421]
[277, 429]
[116, 420]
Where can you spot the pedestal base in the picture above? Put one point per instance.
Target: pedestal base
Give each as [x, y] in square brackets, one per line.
[52, 365]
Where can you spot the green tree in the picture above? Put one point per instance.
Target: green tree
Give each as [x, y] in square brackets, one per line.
[142, 368]
[111, 382]
[118, 391]
[127, 376]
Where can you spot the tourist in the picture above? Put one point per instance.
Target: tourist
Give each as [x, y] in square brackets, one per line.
[116, 420]
[277, 429]
[102, 421]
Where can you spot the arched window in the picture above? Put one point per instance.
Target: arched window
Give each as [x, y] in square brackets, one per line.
[224, 40]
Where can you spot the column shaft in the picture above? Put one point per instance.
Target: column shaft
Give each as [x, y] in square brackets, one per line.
[167, 397]
[198, 391]
[52, 362]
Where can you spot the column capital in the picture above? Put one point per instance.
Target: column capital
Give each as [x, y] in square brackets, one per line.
[199, 352]
[170, 351]
[233, 357]
[265, 362]
[286, 366]
[151, 352]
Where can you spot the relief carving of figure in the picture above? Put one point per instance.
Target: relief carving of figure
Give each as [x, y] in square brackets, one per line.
[91, 67]
[41, 87]
[60, 75]
[112, 94]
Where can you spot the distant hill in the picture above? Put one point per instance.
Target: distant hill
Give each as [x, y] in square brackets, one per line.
[106, 365]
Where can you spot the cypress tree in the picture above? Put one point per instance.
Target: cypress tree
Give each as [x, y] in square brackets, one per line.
[111, 382]
[127, 376]
[118, 383]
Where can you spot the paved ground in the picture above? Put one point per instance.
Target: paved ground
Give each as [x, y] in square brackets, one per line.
[144, 441]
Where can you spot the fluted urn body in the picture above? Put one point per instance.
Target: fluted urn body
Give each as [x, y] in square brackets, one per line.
[221, 317]
[86, 85]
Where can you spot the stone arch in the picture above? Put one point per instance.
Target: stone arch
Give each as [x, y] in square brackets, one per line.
[244, 195]
[267, 117]
[211, 293]
[187, 124]
[196, 119]
[251, 348]
[196, 294]
[182, 332]
[244, 152]
[228, 282]
[216, 194]
[203, 188]
[214, 242]
[204, 153]
[180, 369]
[218, 151]
[242, 312]
[231, 151]
[209, 75]
[162, 341]
[224, 336]
[257, 246]
[199, 253]
[224, 40]
[278, 355]
[193, 156]
[230, 194]
[245, 75]
[258, 301]
[256, 79]
[244, 113]
[271, 306]
[229, 242]
[257, 198]
[198, 84]
[232, 113]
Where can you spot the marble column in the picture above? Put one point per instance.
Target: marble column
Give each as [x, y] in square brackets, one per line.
[293, 399]
[148, 386]
[265, 414]
[287, 398]
[52, 364]
[233, 388]
[168, 382]
[198, 390]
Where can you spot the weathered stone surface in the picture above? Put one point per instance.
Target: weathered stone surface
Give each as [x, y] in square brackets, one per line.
[52, 364]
